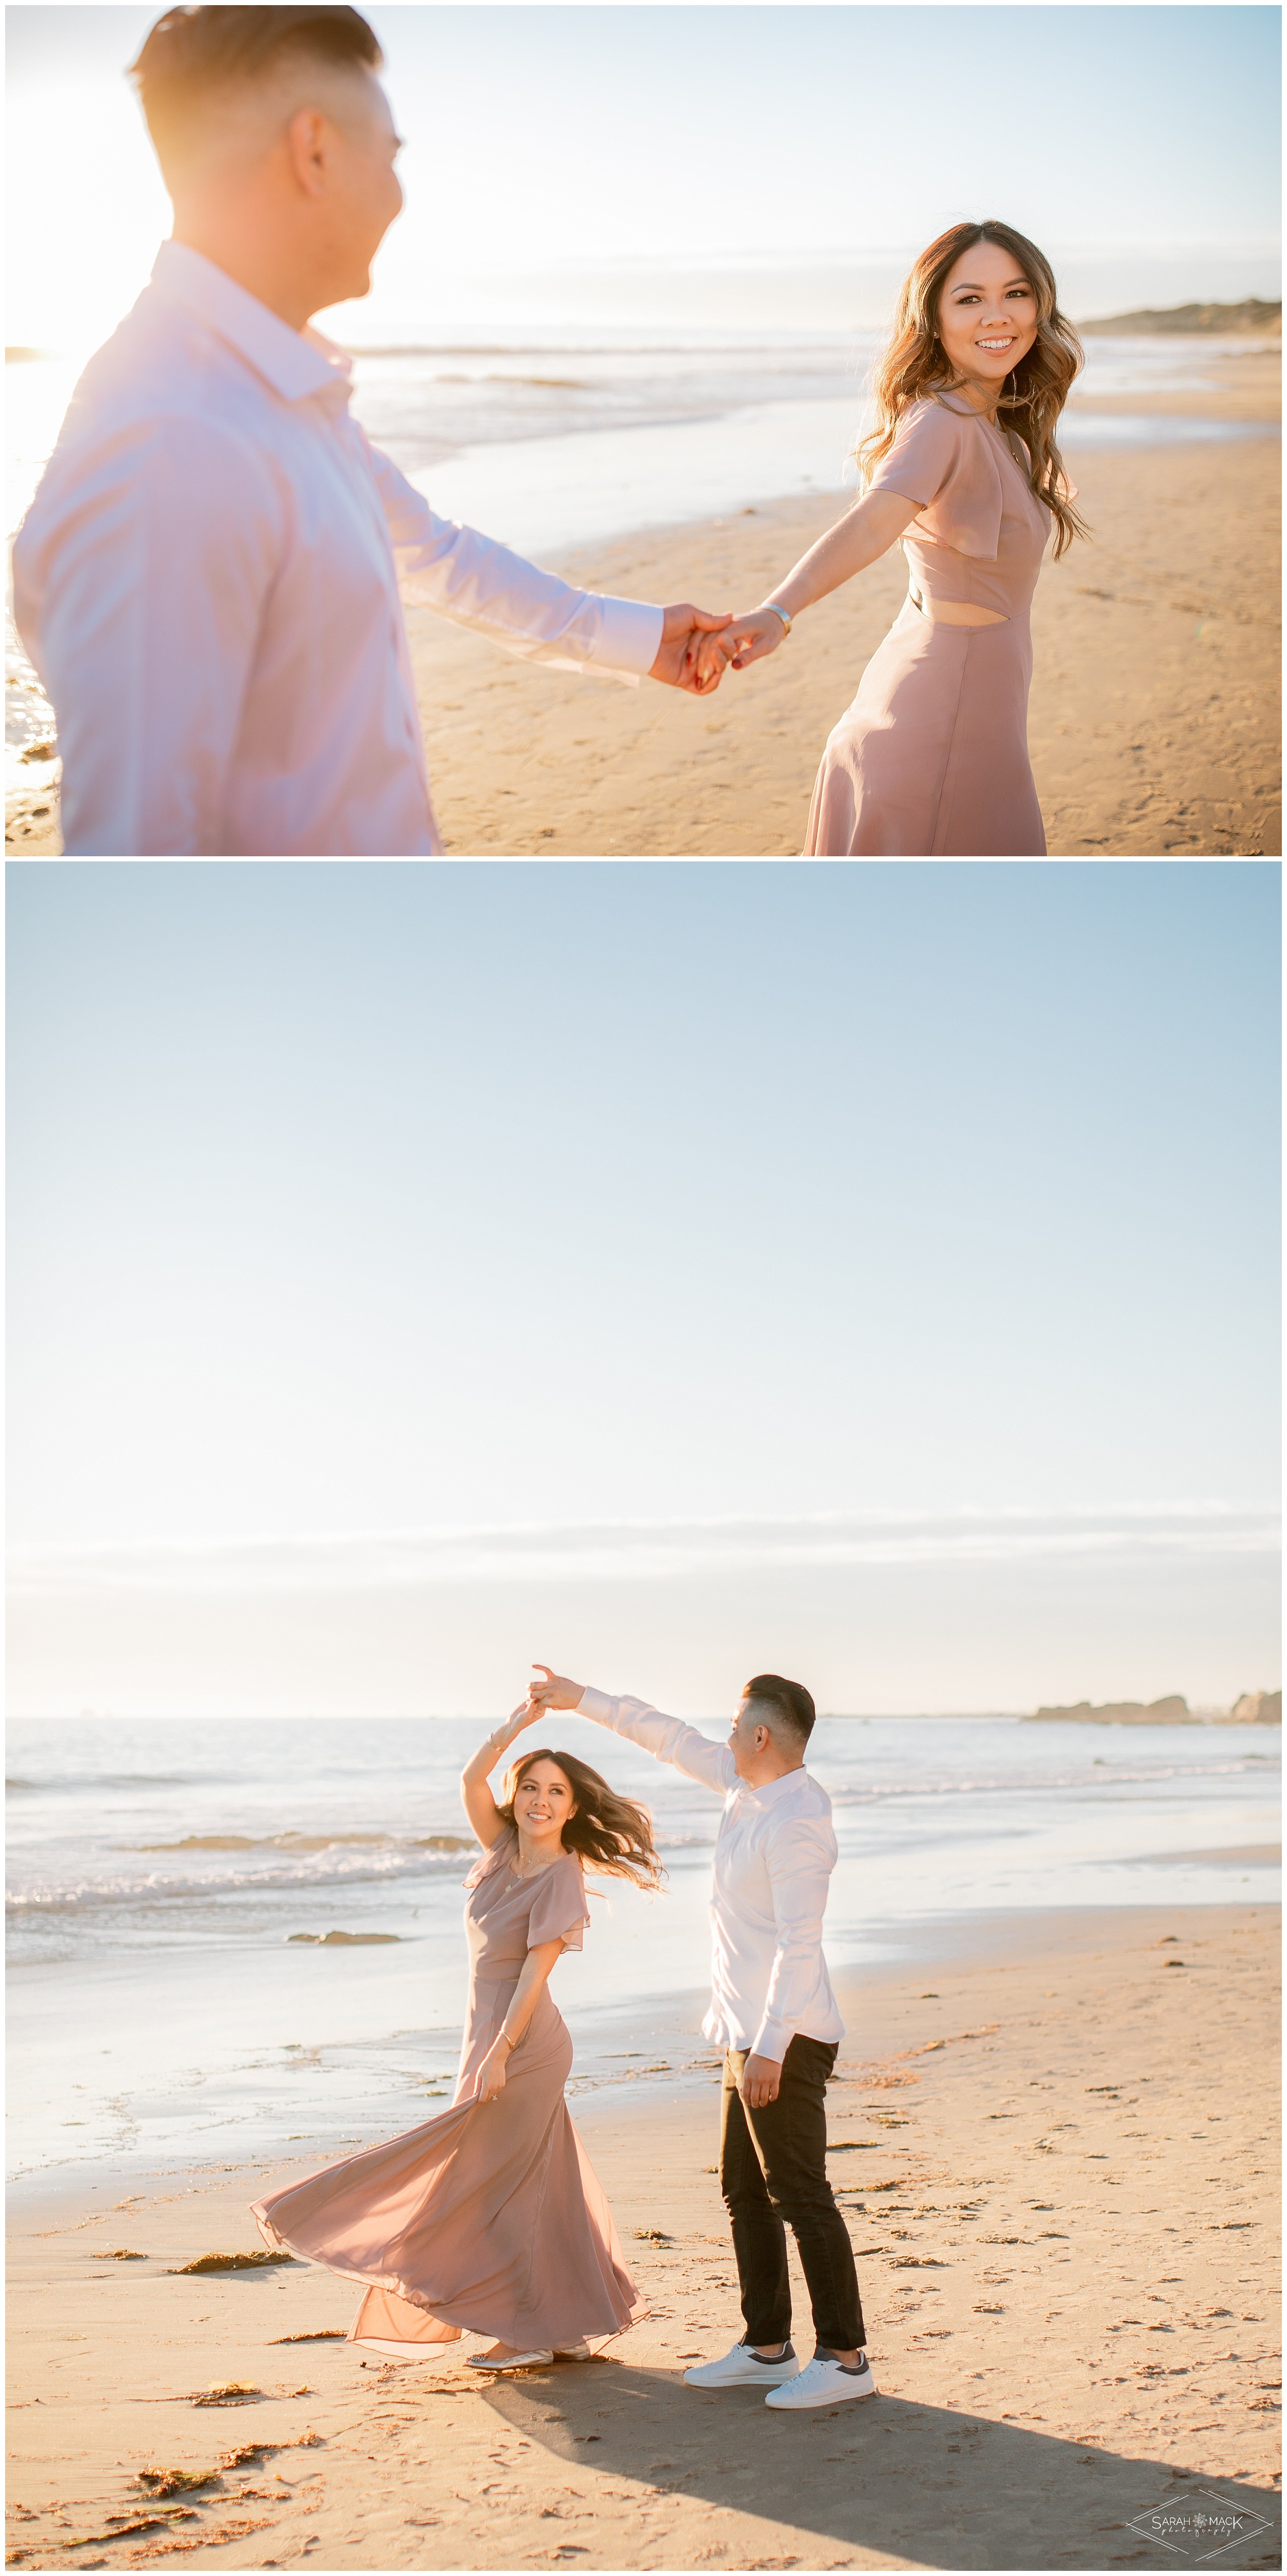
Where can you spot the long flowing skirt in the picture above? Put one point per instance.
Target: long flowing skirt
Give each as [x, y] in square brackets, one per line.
[931, 760]
[488, 2220]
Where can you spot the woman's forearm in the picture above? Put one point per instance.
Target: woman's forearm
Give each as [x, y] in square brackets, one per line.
[864, 534]
[482, 1763]
[522, 2003]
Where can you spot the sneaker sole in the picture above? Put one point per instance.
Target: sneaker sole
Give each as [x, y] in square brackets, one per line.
[765, 2379]
[835, 2397]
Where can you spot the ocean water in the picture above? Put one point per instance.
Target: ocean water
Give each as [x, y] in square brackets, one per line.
[173, 1994]
[553, 440]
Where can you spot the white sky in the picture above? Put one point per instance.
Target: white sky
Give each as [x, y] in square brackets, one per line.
[558, 156]
[663, 1270]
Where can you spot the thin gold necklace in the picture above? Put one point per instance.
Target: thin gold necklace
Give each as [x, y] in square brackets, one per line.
[517, 1870]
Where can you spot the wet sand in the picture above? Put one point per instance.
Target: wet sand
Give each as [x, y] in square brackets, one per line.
[1155, 712]
[1058, 2161]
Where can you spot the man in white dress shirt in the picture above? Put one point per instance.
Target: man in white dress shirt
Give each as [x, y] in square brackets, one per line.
[208, 579]
[774, 2014]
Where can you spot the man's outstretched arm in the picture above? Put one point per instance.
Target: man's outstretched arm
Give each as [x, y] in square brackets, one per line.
[667, 1738]
[478, 582]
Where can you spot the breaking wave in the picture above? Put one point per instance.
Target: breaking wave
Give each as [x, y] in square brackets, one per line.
[294, 1842]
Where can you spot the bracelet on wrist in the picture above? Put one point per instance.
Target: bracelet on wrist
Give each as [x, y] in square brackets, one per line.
[504, 2034]
[772, 605]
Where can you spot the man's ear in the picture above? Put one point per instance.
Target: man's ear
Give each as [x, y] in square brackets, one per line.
[305, 137]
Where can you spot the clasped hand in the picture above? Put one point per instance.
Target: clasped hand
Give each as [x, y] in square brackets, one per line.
[742, 641]
[698, 648]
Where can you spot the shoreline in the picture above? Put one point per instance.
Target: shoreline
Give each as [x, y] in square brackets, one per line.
[1058, 2113]
[1245, 387]
[1153, 723]
[661, 2031]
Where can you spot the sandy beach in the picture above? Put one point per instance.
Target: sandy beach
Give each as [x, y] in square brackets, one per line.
[1154, 710]
[1154, 721]
[1057, 2156]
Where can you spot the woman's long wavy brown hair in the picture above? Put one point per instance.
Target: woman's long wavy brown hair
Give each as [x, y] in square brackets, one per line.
[915, 364]
[612, 1833]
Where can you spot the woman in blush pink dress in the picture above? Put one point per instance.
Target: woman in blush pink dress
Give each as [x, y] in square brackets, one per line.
[931, 760]
[491, 2220]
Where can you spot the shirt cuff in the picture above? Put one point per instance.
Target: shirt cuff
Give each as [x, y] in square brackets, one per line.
[596, 1704]
[629, 635]
[772, 2040]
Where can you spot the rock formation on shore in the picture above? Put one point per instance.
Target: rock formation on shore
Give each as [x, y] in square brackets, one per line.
[1127, 1712]
[1251, 315]
[1255, 1708]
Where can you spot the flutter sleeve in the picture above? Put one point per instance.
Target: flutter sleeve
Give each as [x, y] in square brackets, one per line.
[942, 459]
[559, 1911]
[492, 1856]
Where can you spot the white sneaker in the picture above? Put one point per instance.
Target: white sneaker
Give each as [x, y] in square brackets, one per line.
[742, 2368]
[825, 2383]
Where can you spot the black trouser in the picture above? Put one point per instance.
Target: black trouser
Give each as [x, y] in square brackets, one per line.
[773, 2169]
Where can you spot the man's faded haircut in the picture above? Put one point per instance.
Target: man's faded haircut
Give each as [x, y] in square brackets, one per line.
[195, 58]
[786, 1704]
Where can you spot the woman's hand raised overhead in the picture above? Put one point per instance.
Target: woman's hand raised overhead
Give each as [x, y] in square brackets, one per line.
[480, 1806]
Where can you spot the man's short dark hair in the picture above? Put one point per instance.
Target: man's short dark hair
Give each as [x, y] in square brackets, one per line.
[193, 54]
[790, 1700]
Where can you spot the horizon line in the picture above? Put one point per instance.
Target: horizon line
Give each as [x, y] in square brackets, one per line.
[1201, 1712]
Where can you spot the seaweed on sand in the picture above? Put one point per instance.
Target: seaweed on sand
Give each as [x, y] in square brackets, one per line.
[230, 2263]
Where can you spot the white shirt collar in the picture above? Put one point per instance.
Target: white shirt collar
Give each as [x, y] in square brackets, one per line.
[296, 364]
[771, 1790]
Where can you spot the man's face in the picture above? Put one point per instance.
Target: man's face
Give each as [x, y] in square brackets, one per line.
[364, 194]
[747, 1737]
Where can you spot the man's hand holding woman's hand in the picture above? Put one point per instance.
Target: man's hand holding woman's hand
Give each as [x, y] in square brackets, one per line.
[684, 631]
[697, 648]
[553, 1692]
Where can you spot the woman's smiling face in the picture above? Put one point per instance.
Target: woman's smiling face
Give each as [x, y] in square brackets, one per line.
[987, 315]
[543, 1802]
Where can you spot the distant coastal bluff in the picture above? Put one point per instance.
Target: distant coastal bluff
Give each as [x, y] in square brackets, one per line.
[1255, 1708]
[1253, 314]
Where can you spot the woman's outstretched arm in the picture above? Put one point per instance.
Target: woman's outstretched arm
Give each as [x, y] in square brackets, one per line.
[864, 534]
[480, 1806]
